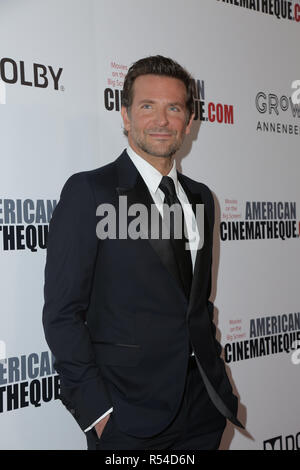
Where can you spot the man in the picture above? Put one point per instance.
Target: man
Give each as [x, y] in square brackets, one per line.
[128, 319]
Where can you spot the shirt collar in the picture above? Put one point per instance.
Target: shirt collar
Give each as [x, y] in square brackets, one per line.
[151, 175]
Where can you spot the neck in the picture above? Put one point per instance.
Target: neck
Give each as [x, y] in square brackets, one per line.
[161, 164]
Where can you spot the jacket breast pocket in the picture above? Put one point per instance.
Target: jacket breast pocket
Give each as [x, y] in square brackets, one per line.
[117, 354]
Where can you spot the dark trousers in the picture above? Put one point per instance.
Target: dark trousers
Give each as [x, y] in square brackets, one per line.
[198, 425]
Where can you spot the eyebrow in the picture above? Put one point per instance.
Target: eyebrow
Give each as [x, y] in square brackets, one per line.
[172, 103]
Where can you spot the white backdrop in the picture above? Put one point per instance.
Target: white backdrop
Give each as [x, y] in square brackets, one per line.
[47, 134]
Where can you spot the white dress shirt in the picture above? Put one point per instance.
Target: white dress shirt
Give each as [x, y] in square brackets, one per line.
[152, 178]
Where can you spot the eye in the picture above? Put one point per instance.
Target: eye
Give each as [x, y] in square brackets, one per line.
[146, 106]
[174, 108]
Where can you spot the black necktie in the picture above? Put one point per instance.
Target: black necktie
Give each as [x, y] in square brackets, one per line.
[177, 226]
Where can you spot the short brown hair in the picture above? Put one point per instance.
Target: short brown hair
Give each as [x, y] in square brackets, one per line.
[157, 65]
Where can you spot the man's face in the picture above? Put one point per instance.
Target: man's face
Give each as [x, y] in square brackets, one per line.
[157, 120]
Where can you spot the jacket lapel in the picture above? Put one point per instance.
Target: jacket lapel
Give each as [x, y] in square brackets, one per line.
[203, 258]
[132, 185]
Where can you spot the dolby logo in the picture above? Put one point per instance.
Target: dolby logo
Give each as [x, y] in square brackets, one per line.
[31, 75]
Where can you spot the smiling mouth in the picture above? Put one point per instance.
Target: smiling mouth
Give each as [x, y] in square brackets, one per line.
[160, 135]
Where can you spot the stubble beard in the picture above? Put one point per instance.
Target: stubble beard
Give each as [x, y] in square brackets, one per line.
[152, 150]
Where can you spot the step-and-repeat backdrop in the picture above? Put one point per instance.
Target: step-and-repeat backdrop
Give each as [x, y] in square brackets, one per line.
[62, 66]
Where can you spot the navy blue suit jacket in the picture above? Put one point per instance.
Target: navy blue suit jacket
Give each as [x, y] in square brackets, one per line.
[116, 317]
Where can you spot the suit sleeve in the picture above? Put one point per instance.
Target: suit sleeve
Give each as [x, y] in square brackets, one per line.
[210, 305]
[72, 249]
[210, 308]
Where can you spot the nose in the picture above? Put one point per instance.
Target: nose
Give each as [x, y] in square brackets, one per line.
[162, 117]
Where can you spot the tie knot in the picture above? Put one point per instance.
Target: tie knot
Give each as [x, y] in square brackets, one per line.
[167, 186]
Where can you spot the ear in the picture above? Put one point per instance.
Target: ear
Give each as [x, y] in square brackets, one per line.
[126, 119]
[189, 125]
